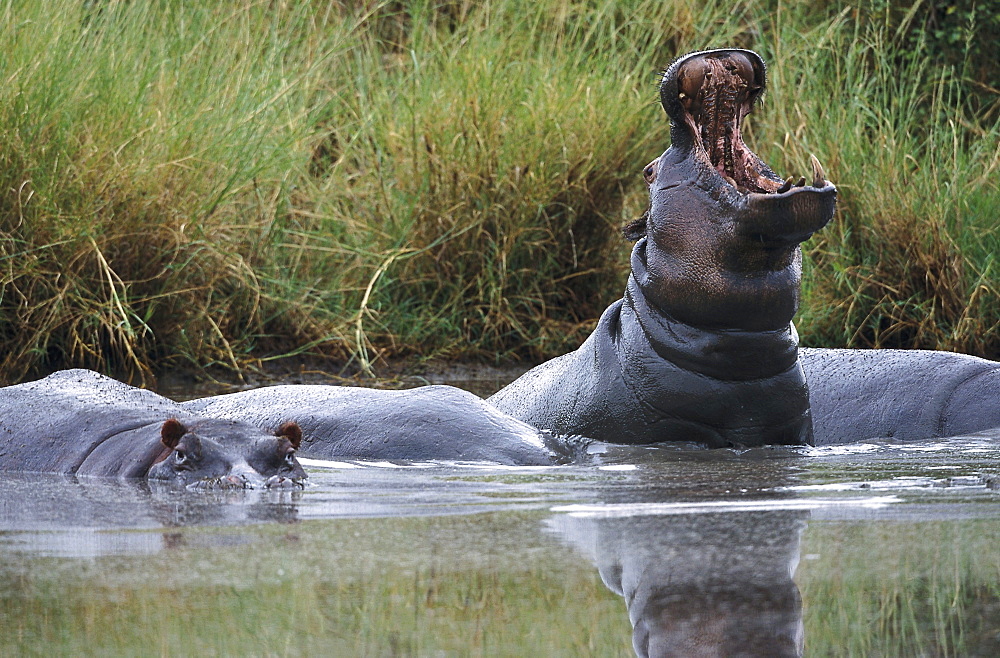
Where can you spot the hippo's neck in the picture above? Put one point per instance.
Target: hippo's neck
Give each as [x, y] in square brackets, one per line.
[719, 281]
[726, 354]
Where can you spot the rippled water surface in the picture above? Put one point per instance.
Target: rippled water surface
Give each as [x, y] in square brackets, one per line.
[875, 549]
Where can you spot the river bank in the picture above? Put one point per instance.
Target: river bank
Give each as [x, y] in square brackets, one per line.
[478, 378]
[209, 186]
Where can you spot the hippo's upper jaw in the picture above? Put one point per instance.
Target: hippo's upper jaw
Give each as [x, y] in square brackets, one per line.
[723, 228]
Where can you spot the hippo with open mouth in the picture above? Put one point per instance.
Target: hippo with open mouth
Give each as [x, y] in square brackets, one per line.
[77, 422]
[702, 347]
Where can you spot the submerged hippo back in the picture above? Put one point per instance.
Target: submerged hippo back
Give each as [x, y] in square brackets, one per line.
[428, 423]
[902, 394]
[51, 425]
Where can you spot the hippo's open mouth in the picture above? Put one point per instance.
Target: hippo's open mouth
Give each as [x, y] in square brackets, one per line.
[711, 93]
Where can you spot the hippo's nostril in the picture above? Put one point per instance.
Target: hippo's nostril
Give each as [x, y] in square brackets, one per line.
[281, 482]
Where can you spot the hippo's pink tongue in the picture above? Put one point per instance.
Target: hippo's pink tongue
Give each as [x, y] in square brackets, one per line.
[717, 93]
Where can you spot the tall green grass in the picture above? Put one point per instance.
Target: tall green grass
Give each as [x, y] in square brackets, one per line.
[191, 185]
[145, 152]
[910, 259]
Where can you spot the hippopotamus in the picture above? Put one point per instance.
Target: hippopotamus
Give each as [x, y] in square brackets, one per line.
[78, 422]
[702, 346]
[440, 423]
[907, 395]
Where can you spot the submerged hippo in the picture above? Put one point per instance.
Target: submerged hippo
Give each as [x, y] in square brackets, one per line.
[428, 423]
[77, 422]
[702, 345]
[907, 395]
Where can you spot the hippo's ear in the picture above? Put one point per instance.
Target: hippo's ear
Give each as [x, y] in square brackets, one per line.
[171, 433]
[292, 432]
[636, 229]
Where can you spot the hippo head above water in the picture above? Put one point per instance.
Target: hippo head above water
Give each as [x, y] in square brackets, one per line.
[238, 457]
[701, 348]
[723, 230]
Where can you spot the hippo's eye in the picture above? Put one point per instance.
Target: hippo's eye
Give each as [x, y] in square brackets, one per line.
[180, 457]
[649, 173]
[290, 459]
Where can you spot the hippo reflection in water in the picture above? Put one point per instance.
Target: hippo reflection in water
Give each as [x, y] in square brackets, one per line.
[77, 422]
[702, 345]
[710, 584]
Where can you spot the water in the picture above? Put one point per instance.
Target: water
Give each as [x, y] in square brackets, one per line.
[875, 549]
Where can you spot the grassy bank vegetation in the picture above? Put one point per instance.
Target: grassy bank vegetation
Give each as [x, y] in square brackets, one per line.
[345, 587]
[199, 184]
[899, 588]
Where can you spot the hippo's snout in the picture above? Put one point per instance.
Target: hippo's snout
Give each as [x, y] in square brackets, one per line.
[231, 482]
[243, 477]
[282, 482]
[243, 481]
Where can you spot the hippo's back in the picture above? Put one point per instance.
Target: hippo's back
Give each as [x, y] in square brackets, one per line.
[53, 424]
[346, 422]
[902, 394]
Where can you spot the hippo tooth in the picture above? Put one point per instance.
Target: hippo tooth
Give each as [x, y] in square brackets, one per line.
[802, 182]
[787, 185]
[819, 176]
